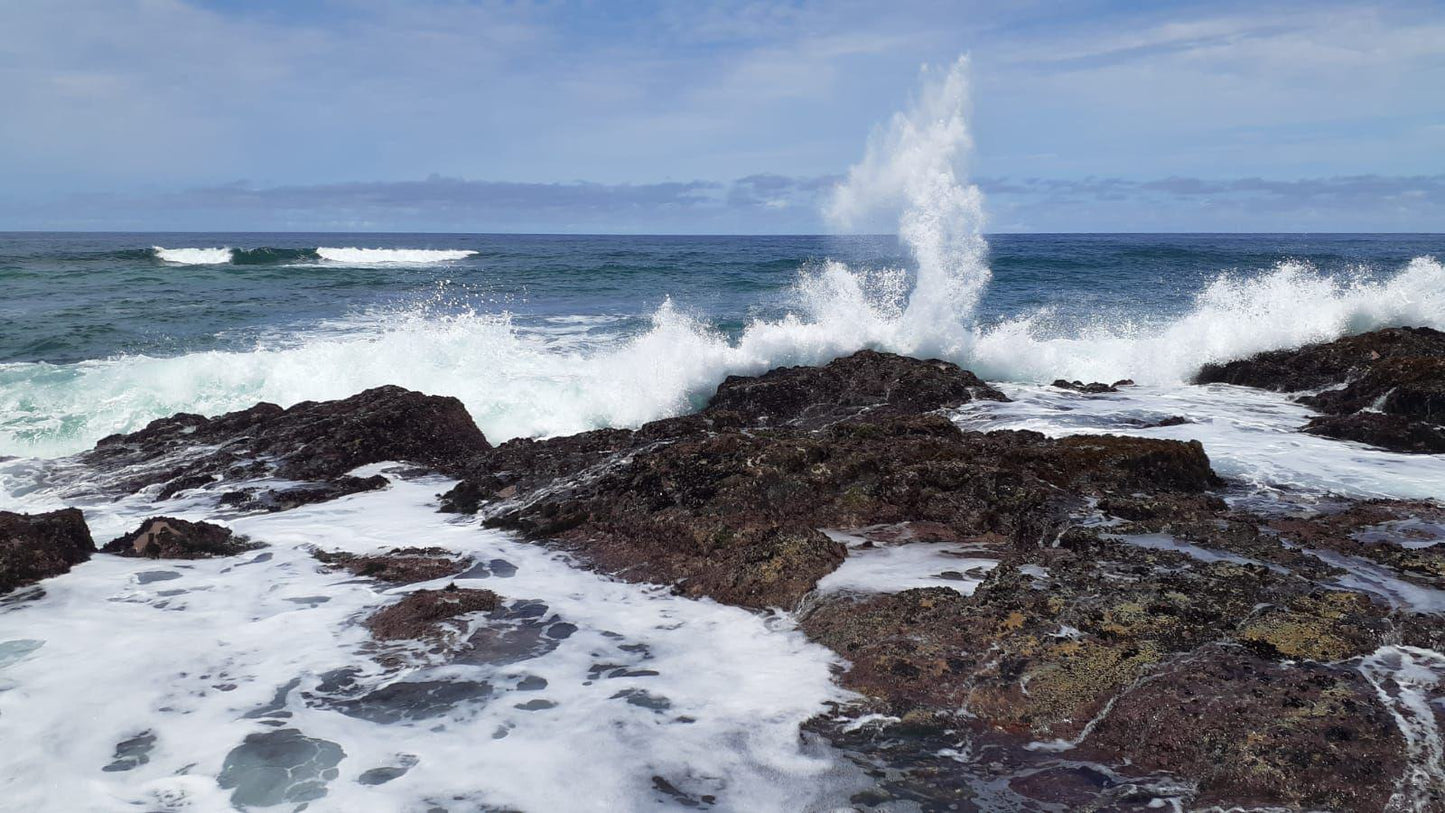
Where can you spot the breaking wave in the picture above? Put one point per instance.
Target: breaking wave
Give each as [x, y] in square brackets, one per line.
[349, 256]
[193, 256]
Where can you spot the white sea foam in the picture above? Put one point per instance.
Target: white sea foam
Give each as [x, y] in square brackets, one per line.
[648, 684]
[194, 256]
[391, 256]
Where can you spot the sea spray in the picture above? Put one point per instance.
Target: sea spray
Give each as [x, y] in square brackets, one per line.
[913, 167]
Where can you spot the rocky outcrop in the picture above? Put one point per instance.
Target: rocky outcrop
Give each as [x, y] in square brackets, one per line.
[735, 514]
[427, 613]
[171, 538]
[1092, 388]
[1315, 738]
[313, 440]
[1385, 388]
[1325, 364]
[866, 383]
[283, 499]
[38, 546]
[399, 565]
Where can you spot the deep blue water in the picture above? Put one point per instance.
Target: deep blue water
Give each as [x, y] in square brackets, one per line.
[74, 296]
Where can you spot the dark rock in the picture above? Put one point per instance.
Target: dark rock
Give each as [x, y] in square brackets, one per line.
[1304, 736]
[865, 382]
[170, 538]
[309, 441]
[1393, 432]
[1173, 420]
[38, 546]
[426, 613]
[734, 515]
[1093, 388]
[1325, 364]
[284, 499]
[399, 565]
[1389, 386]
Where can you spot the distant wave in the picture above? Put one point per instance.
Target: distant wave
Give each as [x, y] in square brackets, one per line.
[194, 256]
[349, 256]
[391, 256]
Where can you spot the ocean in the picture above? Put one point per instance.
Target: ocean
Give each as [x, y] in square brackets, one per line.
[547, 335]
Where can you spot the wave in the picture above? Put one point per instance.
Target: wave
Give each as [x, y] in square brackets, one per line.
[521, 383]
[392, 256]
[194, 256]
[266, 255]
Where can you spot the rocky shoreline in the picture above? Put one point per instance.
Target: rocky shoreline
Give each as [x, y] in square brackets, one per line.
[1104, 627]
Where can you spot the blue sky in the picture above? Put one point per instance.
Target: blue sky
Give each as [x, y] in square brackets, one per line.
[446, 115]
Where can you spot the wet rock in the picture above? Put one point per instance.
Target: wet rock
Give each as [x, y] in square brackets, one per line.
[864, 386]
[1389, 532]
[170, 538]
[399, 565]
[867, 382]
[427, 613]
[1388, 386]
[132, 753]
[1172, 420]
[1250, 730]
[309, 441]
[380, 776]
[279, 767]
[1092, 388]
[1393, 432]
[734, 515]
[1326, 364]
[38, 546]
[284, 499]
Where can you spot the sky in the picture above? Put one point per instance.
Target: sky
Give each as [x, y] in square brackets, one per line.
[710, 116]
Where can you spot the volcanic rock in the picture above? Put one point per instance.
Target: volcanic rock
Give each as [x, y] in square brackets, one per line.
[1389, 386]
[399, 565]
[426, 613]
[1249, 730]
[865, 383]
[38, 546]
[309, 441]
[1326, 364]
[171, 538]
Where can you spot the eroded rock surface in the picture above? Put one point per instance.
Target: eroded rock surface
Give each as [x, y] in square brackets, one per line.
[1385, 388]
[311, 441]
[171, 538]
[399, 565]
[427, 613]
[38, 546]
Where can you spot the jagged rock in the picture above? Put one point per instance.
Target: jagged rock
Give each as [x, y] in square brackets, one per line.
[1092, 388]
[38, 546]
[426, 613]
[1249, 730]
[867, 382]
[734, 515]
[284, 499]
[309, 441]
[1389, 386]
[399, 565]
[170, 538]
[1326, 364]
